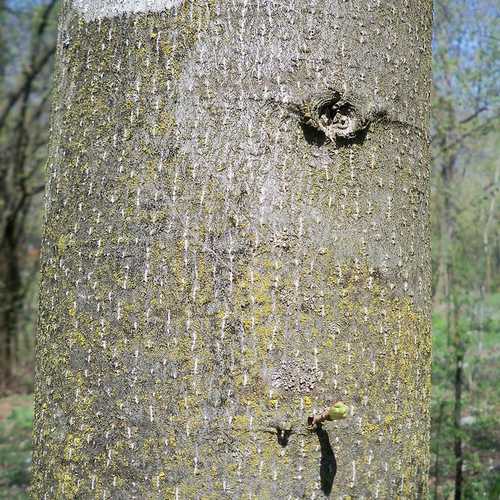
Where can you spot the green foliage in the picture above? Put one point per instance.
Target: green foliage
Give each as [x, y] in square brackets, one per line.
[15, 449]
[480, 416]
[465, 248]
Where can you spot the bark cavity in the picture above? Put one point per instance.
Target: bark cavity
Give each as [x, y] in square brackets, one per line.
[332, 117]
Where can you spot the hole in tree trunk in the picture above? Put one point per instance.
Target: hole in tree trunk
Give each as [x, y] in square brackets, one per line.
[312, 135]
[283, 436]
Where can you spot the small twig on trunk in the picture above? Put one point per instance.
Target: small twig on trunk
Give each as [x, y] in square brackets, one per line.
[337, 411]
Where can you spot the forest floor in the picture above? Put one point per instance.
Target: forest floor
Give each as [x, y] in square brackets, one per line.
[480, 422]
[16, 421]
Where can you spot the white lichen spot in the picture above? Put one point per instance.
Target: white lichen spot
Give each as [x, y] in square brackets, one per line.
[99, 9]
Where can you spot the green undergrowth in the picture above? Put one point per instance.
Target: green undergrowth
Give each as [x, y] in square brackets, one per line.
[16, 421]
[480, 415]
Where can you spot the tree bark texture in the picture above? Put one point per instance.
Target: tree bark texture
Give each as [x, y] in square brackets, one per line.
[236, 237]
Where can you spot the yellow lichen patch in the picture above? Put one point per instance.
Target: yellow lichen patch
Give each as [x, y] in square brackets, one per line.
[240, 423]
[308, 402]
[388, 336]
[63, 243]
[72, 448]
[66, 483]
[272, 403]
[166, 122]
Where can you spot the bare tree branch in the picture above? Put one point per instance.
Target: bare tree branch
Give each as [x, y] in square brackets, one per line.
[29, 77]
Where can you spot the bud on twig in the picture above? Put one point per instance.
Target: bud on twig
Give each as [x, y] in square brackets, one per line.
[337, 411]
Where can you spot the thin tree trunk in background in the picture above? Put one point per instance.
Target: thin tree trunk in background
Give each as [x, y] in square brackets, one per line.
[440, 292]
[23, 132]
[486, 235]
[437, 470]
[458, 446]
[454, 332]
[447, 225]
[236, 236]
[10, 302]
[3, 51]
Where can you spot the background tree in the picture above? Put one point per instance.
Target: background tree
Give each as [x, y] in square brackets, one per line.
[465, 167]
[26, 45]
[236, 236]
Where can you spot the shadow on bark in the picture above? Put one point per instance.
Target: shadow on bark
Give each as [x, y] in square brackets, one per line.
[328, 463]
[317, 137]
[312, 135]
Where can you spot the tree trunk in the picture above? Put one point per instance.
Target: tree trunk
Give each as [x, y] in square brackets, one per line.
[447, 230]
[488, 278]
[437, 437]
[457, 425]
[236, 237]
[11, 294]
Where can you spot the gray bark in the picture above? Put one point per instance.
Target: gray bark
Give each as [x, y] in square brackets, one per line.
[236, 237]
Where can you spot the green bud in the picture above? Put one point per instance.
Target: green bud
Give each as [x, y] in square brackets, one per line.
[337, 412]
